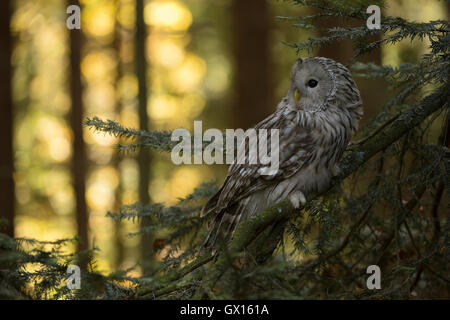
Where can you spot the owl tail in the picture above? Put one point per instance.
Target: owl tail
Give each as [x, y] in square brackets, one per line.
[222, 228]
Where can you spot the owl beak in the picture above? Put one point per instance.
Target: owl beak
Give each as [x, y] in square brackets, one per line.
[297, 99]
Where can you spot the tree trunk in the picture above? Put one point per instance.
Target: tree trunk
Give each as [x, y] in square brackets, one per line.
[118, 226]
[79, 154]
[253, 90]
[7, 198]
[144, 156]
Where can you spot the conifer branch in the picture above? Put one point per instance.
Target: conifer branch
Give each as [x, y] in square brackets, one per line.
[247, 230]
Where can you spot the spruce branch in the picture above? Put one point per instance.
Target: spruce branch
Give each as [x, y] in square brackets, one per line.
[247, 230]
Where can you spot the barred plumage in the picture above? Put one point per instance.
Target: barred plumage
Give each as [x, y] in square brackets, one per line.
[313, 133]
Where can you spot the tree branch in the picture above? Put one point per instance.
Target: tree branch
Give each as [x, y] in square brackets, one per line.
[352, 161]
[248, 230]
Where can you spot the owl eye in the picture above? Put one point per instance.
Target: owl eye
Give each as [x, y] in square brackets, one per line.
[312, 83]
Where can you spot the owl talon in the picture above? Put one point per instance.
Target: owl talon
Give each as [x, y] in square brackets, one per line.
[297, 199]
[336, 171]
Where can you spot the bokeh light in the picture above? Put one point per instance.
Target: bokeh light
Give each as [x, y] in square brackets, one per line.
[171, 15]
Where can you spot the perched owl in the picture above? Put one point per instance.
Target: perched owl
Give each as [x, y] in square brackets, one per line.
[316, 120]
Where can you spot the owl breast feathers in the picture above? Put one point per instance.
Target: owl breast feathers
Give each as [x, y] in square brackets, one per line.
[316, 120]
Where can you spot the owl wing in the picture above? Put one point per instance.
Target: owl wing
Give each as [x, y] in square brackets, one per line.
[296, 145]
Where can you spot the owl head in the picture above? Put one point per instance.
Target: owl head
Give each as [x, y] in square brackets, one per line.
[319, 83]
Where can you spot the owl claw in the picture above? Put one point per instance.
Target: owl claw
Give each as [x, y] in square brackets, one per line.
[297, 198]
[336, 171]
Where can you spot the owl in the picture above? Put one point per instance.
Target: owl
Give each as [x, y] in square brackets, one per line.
[315, 120]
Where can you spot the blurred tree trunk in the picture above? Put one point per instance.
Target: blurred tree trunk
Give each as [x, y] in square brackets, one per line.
[144, 156]
[253, 89]
[7, 198]
[118, 241]
[79, 164]
[373, 91]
